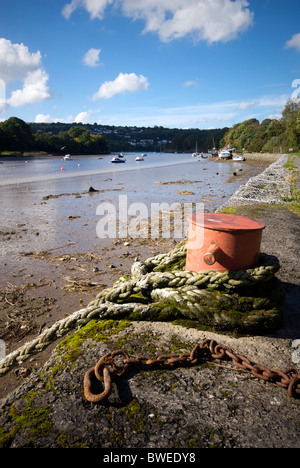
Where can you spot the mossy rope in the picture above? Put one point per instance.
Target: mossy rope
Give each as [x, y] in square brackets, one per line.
[157, 289]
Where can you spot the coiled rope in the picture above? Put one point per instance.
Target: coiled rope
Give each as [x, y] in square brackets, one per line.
[159, 289]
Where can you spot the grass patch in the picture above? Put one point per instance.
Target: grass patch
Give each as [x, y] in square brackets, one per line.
[294, 200]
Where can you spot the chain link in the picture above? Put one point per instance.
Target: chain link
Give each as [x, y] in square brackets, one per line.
[116, 364]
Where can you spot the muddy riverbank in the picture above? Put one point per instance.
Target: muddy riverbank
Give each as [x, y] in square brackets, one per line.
[53, 263]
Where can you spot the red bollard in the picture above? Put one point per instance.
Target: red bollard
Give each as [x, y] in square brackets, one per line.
[230, 243]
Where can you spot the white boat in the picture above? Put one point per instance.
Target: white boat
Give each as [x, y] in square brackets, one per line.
[239, 158]
[196, 154]
[118, 159]
[143, 155]
[139, 158]
[225, 154]
[68, 157]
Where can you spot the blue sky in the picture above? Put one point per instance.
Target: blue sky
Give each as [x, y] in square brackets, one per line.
[175, 63]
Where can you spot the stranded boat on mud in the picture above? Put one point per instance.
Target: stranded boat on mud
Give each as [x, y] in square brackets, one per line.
[239, 158]
[225, 154]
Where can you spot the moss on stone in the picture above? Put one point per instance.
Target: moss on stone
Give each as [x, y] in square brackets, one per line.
[28, 420]
[96, 330]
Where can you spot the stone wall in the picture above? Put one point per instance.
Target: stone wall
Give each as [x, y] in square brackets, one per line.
[267, 157]
[271, 186]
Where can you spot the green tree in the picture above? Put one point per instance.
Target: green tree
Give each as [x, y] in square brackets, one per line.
[3, 140]
[77, 132]
[18, 135]
[291, 119]
[245, 135]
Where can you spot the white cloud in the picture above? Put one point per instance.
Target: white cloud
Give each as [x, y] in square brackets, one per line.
[17, 63]
[274, 116]
[294, 42]
[35, 89]
[210, 115]
[3, 104]
[191, 83]
[83, 117]
[123, 83]
[91, 58]
[44, 118]
[69, 8]
[3, 107]
[212, 21]
[198, 116]
[96, 8]
[247, 104]
[266, 101]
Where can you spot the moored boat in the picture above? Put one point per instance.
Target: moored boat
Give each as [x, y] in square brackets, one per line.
[239, 157]
[225, 154]
[118, 159]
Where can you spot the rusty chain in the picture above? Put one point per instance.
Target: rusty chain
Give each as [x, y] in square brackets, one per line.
[116, 364]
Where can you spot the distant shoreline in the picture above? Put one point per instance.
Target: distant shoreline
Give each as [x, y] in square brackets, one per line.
[42, 154]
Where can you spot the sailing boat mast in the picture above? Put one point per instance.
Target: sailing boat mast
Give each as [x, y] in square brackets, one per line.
[196, 154]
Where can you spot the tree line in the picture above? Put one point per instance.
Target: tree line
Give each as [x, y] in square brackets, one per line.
[269, 136]
[157, 138]
[55, 138]
[18, 136]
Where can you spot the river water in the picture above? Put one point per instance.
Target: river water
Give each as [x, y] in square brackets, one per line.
[48, 197]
